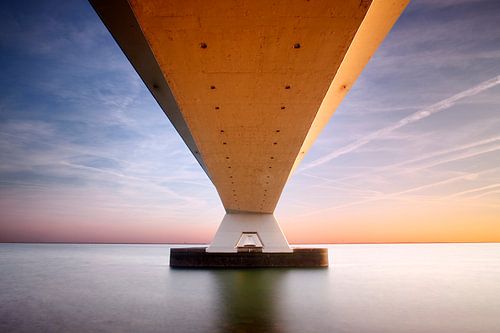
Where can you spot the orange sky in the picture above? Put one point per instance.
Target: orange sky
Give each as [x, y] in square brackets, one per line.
[384, 221]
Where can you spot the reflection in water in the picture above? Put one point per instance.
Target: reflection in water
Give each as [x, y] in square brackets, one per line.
[392, 288]
[249, 299]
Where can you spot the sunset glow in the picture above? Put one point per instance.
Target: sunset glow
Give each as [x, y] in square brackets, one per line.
[411, 155]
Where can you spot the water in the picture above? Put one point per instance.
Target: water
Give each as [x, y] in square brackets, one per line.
[368, 288]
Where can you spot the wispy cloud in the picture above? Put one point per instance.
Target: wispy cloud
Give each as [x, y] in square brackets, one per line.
[424, 161]
[485, 194]
[474, 190]
[81, 138]
[417, 116]
[400, 194]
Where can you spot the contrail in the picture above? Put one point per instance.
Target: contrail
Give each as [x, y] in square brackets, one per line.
[463, 176]
[485, 194]
[391, 195]
[419, 115]
[429, 156]
[478, 189]
[146, 182]
[455, 158]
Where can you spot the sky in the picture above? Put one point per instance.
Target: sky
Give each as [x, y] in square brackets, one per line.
[411, 155]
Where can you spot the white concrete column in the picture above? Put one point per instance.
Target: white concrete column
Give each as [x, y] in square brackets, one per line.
[235, 224]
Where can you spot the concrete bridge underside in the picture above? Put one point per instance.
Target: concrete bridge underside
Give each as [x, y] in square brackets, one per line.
[249, 84]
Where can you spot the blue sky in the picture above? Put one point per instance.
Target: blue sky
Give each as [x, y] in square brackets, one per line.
[85, 149]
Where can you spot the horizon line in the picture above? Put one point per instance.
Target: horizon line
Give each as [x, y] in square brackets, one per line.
[201, 244]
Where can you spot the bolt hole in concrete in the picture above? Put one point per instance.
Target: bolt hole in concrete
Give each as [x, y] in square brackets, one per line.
[203, 45]
[296, 46]
[287, 87]
[212, 87]
[217, 108]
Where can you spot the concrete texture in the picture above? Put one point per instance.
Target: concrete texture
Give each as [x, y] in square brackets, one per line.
[265, 225]
[254, 82]
[199, 258]
[249, 85]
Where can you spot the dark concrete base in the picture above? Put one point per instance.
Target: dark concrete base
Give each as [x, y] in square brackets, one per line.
[199, 258]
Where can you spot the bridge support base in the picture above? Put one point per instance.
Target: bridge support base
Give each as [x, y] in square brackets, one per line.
[249, 240]
[200, 258]
[264, 227]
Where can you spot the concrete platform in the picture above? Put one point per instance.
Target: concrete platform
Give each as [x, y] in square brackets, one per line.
[199, 258]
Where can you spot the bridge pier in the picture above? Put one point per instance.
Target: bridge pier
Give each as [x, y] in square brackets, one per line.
[249, 240]
[224, 75]
[261, 232]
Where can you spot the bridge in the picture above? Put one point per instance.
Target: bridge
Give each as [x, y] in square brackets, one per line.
[249, 85]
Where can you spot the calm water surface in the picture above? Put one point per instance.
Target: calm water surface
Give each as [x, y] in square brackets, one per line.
[368, 288]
